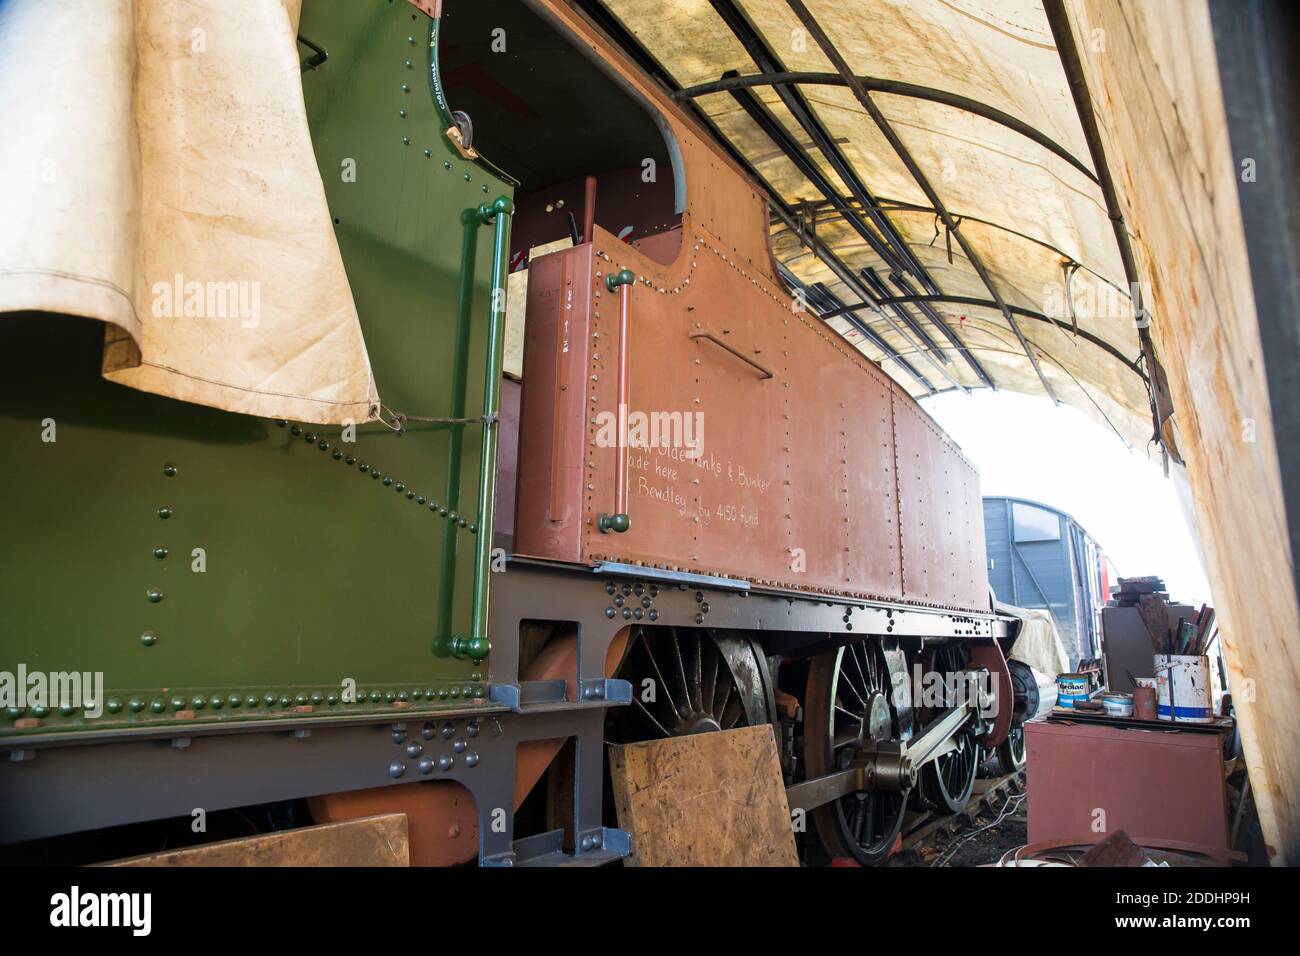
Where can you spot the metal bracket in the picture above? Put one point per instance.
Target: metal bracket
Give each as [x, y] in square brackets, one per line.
[595, 848]
[527, 694]
[608, 689]
[532, 696]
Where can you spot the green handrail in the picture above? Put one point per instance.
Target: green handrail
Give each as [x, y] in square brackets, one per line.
[477, 646]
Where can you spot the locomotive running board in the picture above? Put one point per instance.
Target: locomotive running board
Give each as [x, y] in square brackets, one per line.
[672, 577]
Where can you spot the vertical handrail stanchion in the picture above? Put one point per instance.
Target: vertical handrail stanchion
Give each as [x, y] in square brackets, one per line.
[620, 520]
[498, 212]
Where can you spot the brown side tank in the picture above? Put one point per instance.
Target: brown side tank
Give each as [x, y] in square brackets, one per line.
[777, 453]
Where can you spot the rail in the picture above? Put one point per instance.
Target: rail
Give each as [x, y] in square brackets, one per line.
[497, 212]
[620, 521]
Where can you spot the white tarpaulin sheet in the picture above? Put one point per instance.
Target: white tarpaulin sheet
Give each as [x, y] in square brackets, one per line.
[158, 175]
[1039, 643]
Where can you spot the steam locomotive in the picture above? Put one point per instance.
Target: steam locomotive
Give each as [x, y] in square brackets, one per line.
[444, 611]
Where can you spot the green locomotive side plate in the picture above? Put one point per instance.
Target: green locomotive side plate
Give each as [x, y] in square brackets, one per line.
[286, 579]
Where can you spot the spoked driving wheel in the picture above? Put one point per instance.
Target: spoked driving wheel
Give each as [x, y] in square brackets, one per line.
[847, 708]
[1011, 752]
[687, 681]
[947, 781]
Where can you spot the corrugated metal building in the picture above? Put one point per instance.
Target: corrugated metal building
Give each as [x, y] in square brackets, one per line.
[1039, 556]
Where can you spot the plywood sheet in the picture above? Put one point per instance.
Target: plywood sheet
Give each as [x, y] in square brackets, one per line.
[704, 800]
[370, 841]
[1160, 109]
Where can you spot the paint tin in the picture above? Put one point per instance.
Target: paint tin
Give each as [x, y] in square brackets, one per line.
[1072, 689]
[1188, 678]
[1144, 699]
[1117, 705]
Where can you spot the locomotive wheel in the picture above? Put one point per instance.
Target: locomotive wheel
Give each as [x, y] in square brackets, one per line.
[1011, 752]
[847, 704]
[699, 682]
[947, 781]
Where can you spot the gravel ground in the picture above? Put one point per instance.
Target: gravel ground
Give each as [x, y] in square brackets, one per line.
[980, 842]
[989, 845]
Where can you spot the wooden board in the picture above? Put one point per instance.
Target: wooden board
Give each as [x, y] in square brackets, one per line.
[704, 800]
[1162, 119]
[369, 841]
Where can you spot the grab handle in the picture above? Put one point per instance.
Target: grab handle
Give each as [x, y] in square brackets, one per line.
[763, 371]
[477, 646]
[620, 521]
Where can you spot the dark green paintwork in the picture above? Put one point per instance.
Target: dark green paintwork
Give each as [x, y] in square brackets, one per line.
[316, 572]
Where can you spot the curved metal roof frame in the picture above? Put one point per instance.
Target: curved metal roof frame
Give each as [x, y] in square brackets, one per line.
[868, 217]
[894, 88]
[904, 154]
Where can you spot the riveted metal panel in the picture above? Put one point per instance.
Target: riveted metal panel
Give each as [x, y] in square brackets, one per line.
[797, 482]
[940, 514]
[314, 573]
[554, 405]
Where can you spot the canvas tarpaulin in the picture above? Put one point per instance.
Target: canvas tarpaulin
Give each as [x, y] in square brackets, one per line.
[1037, 221]
[1037, 643]
[159, 176]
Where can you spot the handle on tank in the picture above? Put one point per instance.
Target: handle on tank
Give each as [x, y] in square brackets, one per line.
[498, 212]
[619, 521]
[763, 370]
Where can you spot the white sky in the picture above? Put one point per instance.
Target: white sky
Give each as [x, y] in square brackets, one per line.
[1029, 448]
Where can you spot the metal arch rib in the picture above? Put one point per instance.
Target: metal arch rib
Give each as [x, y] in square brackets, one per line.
[894, 251]
[826, 304]
[626, 41]
[1071, 63]
[905, 155]
[1017, 310]
[767, 61]
[894, 88]
[845, 275]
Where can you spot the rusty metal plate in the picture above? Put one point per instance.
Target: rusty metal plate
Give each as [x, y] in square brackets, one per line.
[940, 514]
[553, 415]
[430, 8]
[841, 462]
[1156, 786]
[798, 481]
[723, 509]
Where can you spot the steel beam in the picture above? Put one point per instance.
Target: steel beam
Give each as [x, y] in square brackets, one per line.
[933, 315]
[842, 272]
[777, 133]
[877, 285]
[895, 88]
[1067, 49]
[905, 155]
[826, 303]
[1017, 310]
[768, 62]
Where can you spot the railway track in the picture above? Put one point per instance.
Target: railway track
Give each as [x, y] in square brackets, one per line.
[927, 834]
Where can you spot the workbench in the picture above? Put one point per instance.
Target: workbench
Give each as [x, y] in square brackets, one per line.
[1088, 778]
